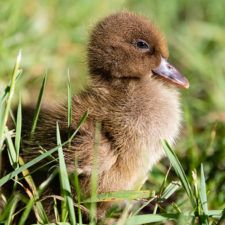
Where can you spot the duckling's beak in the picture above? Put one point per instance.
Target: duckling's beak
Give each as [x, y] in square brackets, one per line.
[170, 73]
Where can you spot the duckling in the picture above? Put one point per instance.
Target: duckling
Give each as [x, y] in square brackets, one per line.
[134, 97]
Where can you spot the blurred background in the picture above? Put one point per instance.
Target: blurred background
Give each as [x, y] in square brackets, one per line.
[53, 36]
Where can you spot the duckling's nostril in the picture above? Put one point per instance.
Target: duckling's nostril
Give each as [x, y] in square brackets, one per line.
[169, 72]
[169, 67]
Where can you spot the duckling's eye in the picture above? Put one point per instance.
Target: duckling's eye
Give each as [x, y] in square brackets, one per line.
[142, 44]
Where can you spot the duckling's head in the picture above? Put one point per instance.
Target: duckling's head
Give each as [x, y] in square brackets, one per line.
[127, 45]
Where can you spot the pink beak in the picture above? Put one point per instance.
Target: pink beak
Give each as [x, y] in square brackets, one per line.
[170, 73]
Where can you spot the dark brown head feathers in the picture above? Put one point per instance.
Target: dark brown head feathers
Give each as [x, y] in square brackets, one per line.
[125, 45]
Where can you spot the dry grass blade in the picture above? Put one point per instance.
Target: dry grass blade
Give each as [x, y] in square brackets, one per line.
[34, 196]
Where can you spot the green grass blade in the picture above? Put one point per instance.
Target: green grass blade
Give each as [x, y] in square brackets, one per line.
[169, 190]
[65, 179]
[222, 218]
[26, 212]
[11, 149]
[38, 105]
[69, 101]
[31, 163]
[15, 73]
[11, 175]
[12, 117]
[2, 137]
[151, 218]
[38, 208]
[18, 130]
[78, 192]
[1, 113]
[56, 211]
[176, 207]
[58, 223]
[12, 210]
[81, 121]
[120, 195]
[94, 174]
[5, 213]
[179, 171]
[202, 192]
[216, 213]
[46, 183]
[164, 181]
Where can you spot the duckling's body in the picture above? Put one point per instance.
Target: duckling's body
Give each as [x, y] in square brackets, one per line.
[131, 131]
[135, 109]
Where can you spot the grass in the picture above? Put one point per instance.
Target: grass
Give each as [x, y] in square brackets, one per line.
[192, 191]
